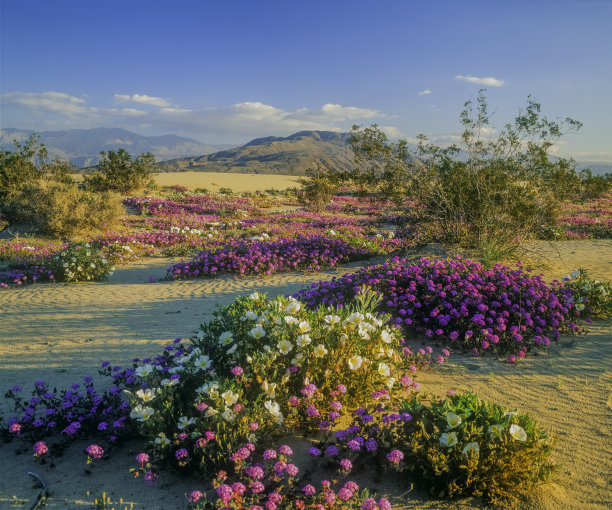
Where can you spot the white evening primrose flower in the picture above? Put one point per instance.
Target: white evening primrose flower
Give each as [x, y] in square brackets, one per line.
[269, 388]
[510, 414]
[579, 307]
[144, 370]
[363, 332]
[169, 382]
[518, 433]
[355, 362]
[320, 351]
[202, 363]
[252, 438]
[161, 440]
[257, 332]
[384, 369]
[304, 327]
[291, 321]
[254, 295]
[378, 352]
[332, 320]
[210, 412]
[293, 307]
[297, 359]
[390, 382]
[386, 336]
[284, 346]
[575, 273]
[274, 410]
[471, 450]
[355, 318]
[228, 415]
[146, 395]
[226, 338]
[184, 422]
[448, 439]
[232, 349]
[141, 414]
[250, 316]
[453, 420]
[229, 397]
[303, 340]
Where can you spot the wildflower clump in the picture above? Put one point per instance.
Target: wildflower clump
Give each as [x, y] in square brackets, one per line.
[590, 297]
[80, 262]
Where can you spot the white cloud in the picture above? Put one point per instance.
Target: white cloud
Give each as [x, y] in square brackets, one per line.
[424, 92]
[248, 119]
[48, 102]
[490, 81]
[143, 99]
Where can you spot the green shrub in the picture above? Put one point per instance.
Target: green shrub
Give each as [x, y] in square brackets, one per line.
[318, 188]
[460, 445]
[255, 361]
[118, 172]
[79, 262]
[592, 297]
[64, 210]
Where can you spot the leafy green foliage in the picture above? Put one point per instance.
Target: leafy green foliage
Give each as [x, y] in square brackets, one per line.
[461, 445]
[319, 187]
[80, 262]
[118, 172]
[592, 297]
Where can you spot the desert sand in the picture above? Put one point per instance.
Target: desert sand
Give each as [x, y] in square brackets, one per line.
[213, 181]
[61, 333]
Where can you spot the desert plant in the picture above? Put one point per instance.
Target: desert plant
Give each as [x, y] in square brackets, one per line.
[79, 262]
[63, 209]
[118, 172]
[590, 297]
[318, 188]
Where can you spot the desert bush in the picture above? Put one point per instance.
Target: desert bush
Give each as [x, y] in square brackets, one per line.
[19, 168]
[590, 297]
[118, 172]
[460, 445]
[62, 209]
[492, 191]
[318, 188]
[79, 262]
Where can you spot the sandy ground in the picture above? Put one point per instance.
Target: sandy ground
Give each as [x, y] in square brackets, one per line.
[61, 333]
[213, 181]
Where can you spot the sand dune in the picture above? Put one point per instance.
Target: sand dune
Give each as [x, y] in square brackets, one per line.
[61, 333]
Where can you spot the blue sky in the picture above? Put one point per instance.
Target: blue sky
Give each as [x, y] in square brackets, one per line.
[229, 71]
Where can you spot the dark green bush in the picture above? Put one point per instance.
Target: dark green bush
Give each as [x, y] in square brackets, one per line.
[319, 187]
[119, 173]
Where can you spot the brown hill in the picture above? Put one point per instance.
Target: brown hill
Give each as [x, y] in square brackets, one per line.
[292, 155]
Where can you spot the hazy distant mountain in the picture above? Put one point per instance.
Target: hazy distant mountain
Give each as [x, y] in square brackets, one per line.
[82, 146]
[275, 155]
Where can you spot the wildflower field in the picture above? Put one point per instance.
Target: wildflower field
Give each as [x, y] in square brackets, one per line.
[225, 350]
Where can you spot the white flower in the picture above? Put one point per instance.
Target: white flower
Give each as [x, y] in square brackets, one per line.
[355, 362]
[144, 370]
[210, 412]
[202, 363]
[169, 382]
[291, 320]
[390, 382]
[162, 440]
[386, 336]
[471, 449]
[518, 433]
[575, 274]
[228, 415]
[320, 351]
[448, 439]
[269, 388]
[293, 307]
[255, 295]
[257, 332]
[304, 327]
[184, 422]
[252, 438]
[303, 340]
[332, 319]
[146, 395]
[384, 369]
[378, 352]
[579, 307]
[355, 317]
[453, 420]
[510, 414]
[229, 397]
[250, 316]
[226, 338]
[284, 346]
[232, 349]
[274, 410]
[141, 414]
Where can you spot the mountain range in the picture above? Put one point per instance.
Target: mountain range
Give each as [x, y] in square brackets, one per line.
[82, 146]
[291, 155]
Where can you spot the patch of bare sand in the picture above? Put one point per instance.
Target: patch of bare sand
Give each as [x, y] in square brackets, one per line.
[62, 332]
[213, 181]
